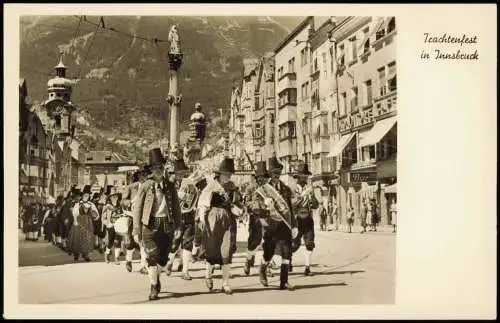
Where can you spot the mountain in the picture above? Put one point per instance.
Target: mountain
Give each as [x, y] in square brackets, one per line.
[122, 80]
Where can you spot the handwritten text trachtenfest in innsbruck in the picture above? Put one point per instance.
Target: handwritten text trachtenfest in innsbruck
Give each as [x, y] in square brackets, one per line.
[449, 47]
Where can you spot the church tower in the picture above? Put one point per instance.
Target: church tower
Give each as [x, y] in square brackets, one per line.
[58, 107]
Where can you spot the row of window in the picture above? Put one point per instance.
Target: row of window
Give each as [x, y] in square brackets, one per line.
[387, 84]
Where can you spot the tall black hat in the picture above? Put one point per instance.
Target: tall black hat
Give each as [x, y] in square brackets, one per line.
[274, 165]
[260, 169]
[180, 166]
[156, 157]
[226, 166]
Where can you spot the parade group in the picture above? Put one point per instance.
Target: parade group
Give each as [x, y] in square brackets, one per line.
[169, 210]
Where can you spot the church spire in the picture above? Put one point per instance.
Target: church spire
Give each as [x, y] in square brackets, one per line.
[61, 68]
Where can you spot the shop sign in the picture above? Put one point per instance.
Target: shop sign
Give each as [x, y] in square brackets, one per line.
[359, 177]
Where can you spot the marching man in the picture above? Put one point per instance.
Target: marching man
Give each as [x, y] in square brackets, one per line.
[303, 203]
[256, 213]
[156, 219]
[129, 202]
[281, 225]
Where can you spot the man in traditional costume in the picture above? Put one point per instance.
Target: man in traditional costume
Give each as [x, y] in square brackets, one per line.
[257, 211]
[303, 203]
[156, 219]
[81, 235]
[99, 200]
[280, 226]
[185, 241]
[217, 212]
[138, 178]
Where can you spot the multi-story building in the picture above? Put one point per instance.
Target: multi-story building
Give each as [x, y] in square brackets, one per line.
[322, 104]
[264, 112]
[247, 107]
[365, 138]
[33, 162]
[292, 59]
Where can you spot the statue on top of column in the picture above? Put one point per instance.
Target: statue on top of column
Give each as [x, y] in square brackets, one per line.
[173, 38]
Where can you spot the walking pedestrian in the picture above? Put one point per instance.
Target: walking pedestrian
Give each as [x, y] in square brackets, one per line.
[350, 218]
[304, 202]
[156, 219]
[216, 208]
[111, 212]
[257, 212]
[81, 234]
[184, 243]
[394, 215]
[280, 225]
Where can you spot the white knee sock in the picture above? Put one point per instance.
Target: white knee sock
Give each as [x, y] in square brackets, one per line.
[208, 270]
[308, 254]
[153, 274]
[117, 253]
[143, 256]
[129, 255]
[58, 240]
[226, 272]
[285, 261]
[186, 257]
[108, 251]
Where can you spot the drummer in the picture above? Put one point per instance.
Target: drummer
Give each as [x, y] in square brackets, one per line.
[111, 212]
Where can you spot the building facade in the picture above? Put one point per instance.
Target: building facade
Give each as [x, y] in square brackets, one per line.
[292, 58]
[33, 159]
[264, 117]
[364, 146]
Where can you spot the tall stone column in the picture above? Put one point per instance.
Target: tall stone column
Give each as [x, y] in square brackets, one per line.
[174, 99]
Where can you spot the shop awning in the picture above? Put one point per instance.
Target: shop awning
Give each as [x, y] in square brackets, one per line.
[339, 146]
[379, 130]
[391, 188]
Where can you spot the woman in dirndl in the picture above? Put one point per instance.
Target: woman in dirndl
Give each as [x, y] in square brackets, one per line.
[218, 222]
[394, 215]
[81, 234]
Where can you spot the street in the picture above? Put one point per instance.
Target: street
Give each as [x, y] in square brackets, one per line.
[348, 269]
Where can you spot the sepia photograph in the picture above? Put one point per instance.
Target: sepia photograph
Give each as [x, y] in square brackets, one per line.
[207, 159]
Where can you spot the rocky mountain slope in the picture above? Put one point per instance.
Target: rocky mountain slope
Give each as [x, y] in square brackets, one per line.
[122, 79]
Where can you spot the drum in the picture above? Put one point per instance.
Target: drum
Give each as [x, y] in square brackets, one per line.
[122, 225]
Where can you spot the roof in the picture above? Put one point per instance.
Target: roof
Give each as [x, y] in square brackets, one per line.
[298, 29]
[321, 34]
[107, 157]
[250, 65]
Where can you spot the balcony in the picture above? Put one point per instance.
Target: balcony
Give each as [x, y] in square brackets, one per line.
[287, 147]
[364, 164]
[321, 146]
[386, 106]
[287, 112]
[258, 114]
[287, 81]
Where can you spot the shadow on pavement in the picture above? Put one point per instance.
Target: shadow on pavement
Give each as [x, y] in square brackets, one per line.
[323, 273]
[275, 287]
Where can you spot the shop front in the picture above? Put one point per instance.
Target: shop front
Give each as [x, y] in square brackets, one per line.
[355, 186]
[387, 176]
